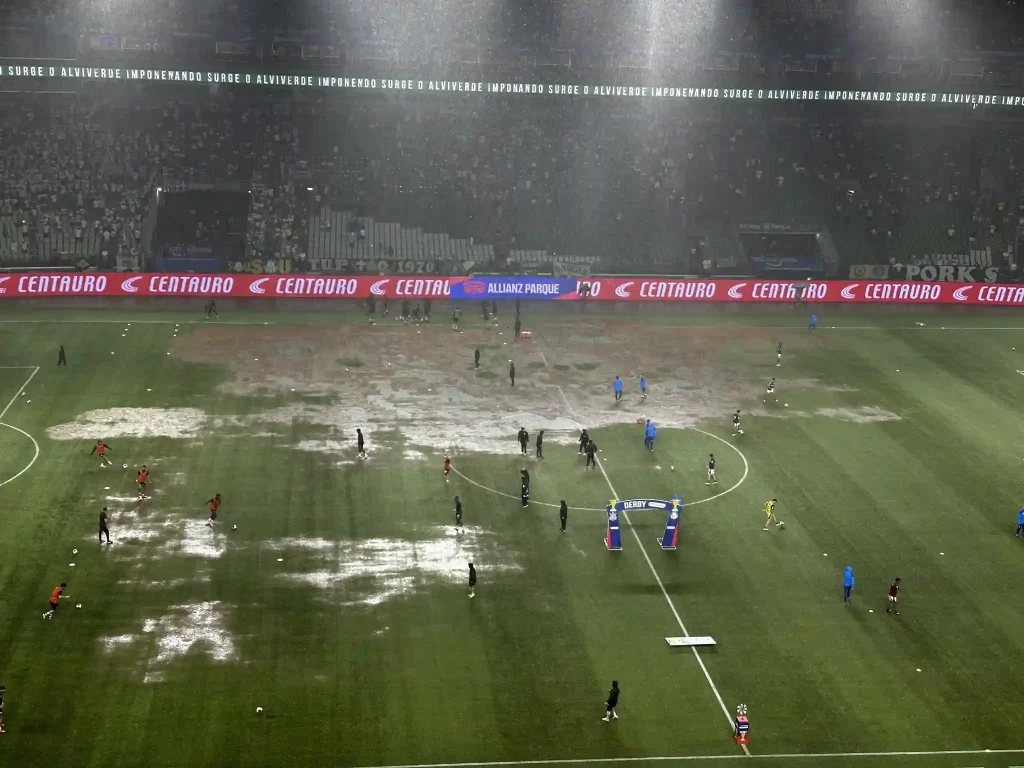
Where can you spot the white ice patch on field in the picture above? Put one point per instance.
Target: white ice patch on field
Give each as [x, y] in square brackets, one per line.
[113, 423]
[413, 455]
[373, 571]
[193, 627]
[326, 446]
[865, 414]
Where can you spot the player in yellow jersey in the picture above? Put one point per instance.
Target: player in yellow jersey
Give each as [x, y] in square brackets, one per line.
[769, 511]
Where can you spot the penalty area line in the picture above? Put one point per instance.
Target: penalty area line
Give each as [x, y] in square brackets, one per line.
[695, 758]
[657, 578]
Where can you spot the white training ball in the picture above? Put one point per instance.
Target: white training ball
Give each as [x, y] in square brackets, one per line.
[126, 466]
[71, 565]
[29, 401]
[74, 551]
[785, 405]
[259, 710]
[672, 469]
[78, 605]
[346, 370]
[234, 527]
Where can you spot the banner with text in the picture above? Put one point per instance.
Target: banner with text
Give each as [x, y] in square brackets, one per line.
[35, 285]
[61, 71]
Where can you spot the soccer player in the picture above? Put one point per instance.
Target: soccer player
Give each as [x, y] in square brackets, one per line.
[712, 478]
[142, 478]
[736, 423]
[456, 319]
[360, 444]
[211, 309]
[61, 357]
[371, 308]
[611, 702]
[101, 449]
[54, 600]
[511, 373]
[476, 358]
[2, 729]
[214, 506]
[778, 356]
[494, 309]
[812, 324]
[407, 313]
[524, 440]
[517, 328]
[484, 311]
[771, 392]
[1020, 523]
[584, 439]
[769, 511]
[447, 469]
[427, 305]
[643, 387]
[617, 387]
[524, 494]
[104, 531]
[540, 444]
[651, 433]
[847, 584]
[563, 514]
[458, 513]
[472, 581]
[894, 596]
[591, 454]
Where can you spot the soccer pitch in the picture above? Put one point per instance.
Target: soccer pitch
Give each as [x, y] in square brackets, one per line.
[339, 604]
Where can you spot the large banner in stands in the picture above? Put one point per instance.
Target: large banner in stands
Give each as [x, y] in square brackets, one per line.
[667, 290]
[46, 70]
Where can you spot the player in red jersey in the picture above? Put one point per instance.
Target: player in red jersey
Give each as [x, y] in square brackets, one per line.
[101, 449]
[447, 469]
[894, 596]
[142, 478]
[214, 506]
[54, 600]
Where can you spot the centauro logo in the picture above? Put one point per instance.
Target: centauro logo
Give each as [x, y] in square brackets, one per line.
[256, 286]
[847, 292]
[736, 291]
[380, 288]
[3, 287]
[623, 291]
[129, 285]
[960, 294]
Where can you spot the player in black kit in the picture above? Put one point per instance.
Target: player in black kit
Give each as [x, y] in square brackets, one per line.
[591, 454]
[61, 357]
[458, 513]
[612, 702]
[525, 490]
[104, 531]
[563, 514]
[540, 444]
[584, 439]
[524, 440]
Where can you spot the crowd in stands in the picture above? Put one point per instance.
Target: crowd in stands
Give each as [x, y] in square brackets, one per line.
[662, 190]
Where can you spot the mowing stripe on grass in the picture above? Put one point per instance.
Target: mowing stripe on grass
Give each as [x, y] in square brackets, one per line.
[657, 578]
[694, 758]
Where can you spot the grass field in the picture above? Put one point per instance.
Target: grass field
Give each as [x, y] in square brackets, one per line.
[339, 604]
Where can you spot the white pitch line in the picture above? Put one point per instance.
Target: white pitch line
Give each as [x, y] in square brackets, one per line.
[34, 458]
[543, 359]
[694, 758]
[471, 481]
[35, 370]
[657, 578]
[684, 327]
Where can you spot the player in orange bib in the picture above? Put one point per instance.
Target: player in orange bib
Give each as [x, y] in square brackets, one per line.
[214, 506]
[101, 449]
[142, 478]
[54, 600]
[447, 469]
